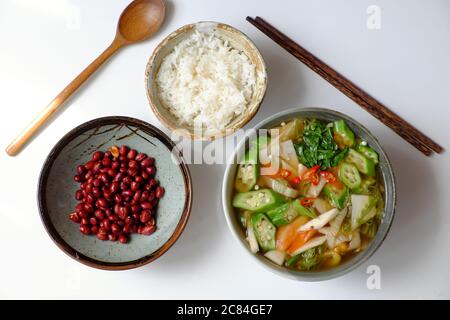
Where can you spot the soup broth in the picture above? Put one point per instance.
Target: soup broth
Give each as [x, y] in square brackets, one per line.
[308, 194]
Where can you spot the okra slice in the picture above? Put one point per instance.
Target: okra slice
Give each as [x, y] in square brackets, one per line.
[246, 177]
[258, 201]
[264, 231]
[282, 215]
[364, 164]
[248, 172]
[369, 153]
[343, 135]
[349, 175]
[338, 195]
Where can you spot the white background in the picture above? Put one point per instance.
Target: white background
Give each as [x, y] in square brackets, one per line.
[405, 65]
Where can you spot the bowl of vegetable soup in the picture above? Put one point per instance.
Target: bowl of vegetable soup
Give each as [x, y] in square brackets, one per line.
[310, 194]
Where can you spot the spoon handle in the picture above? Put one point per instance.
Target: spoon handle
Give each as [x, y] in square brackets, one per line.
[15, 146]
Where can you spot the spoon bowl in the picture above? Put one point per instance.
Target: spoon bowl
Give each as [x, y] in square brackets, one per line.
[141, 19]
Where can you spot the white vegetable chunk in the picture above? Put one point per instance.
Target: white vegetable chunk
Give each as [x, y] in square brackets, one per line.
[270, 156]
[355, 243]
[287, 152]
[314, 191]
[272, 169]
[310, 244]
[342, 238]
[302, 169]
[271, 151]
[335, 225]
[322, 205]
[276, 256]
[325, 230]
[251, 239]
[278, 187]
[320, 221]
[285, 165]
[362, 209]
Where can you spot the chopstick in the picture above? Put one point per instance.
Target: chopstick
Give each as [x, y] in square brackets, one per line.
[363, 99]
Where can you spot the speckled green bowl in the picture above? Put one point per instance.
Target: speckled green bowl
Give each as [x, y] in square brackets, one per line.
[57, 188]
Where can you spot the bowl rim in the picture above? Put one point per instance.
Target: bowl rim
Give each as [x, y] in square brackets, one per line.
[168, 124]
[309, 276]
[43, 210]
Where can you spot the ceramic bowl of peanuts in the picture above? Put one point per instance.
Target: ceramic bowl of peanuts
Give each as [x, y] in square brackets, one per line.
[115, 199]
[126, 202]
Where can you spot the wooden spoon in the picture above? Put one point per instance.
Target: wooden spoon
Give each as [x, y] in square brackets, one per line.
[140, 20]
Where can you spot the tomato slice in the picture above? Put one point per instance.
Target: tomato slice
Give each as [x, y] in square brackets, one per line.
[300, 240]
[286, 234]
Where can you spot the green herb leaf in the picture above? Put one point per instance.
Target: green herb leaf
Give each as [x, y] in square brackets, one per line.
[319, 147]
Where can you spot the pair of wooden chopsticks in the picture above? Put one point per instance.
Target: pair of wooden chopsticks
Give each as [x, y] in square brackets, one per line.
[419, 140]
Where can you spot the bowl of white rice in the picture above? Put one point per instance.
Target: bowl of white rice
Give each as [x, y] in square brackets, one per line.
[205, 80]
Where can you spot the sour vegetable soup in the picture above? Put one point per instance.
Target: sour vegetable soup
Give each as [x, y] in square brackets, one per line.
[308, 195]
